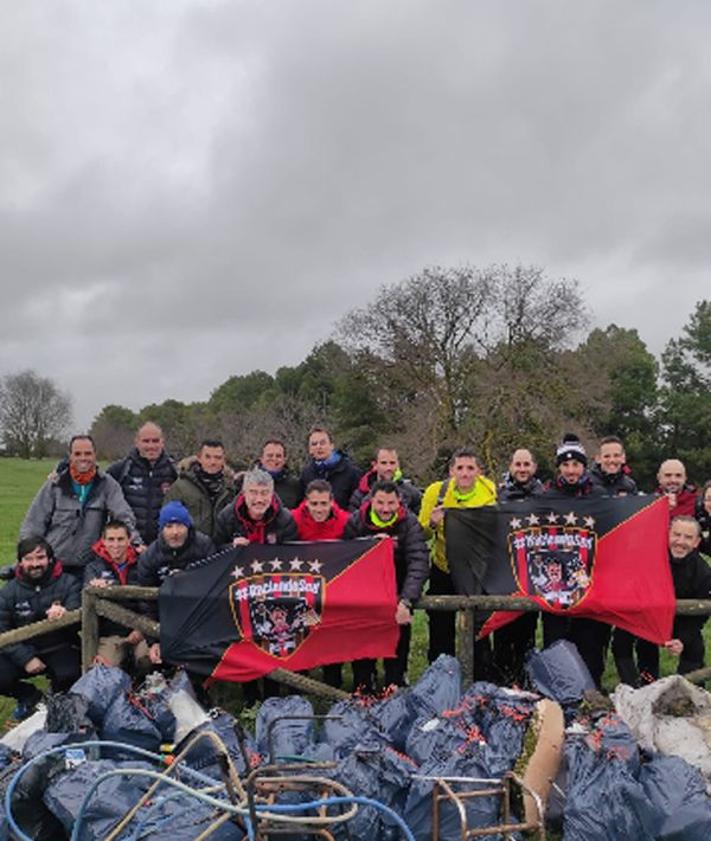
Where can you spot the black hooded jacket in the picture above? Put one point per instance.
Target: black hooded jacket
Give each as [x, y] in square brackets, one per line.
[613, 484]
[412, 557]
[343, 478]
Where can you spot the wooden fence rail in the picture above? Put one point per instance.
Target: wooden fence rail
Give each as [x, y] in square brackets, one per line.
[102, 601]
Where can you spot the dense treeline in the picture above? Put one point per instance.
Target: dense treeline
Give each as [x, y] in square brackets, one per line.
[496, 357]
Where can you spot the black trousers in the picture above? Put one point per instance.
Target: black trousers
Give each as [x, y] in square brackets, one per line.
[395, 667]
[624, 648]
[512, 644]
[441, 622]
[63, 669]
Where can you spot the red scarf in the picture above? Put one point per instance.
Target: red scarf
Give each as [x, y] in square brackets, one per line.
[82, 478]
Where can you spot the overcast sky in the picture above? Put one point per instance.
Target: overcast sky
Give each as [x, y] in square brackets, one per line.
[190, 190]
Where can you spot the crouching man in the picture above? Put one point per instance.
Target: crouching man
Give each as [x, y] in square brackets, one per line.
[385, 515]
[692, 580]
[40, 590]
[115, 562]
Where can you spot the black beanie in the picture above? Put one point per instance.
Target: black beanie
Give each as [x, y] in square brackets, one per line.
[571, 449]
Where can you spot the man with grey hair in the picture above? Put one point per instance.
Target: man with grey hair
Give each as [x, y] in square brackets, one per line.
[256, 515]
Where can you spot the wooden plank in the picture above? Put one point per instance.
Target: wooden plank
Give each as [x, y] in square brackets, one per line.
[36, 629]
[128, 618]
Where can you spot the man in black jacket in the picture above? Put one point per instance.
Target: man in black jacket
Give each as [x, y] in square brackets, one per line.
[256, 516]
[384, 515]
[39, 591]
[145, 475]
[610, 472]
[333, 465]
[514, 641]
[692, 580]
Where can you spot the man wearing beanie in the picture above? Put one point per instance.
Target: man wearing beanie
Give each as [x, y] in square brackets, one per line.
[205, 485]
[573, 478]
[178, 545]
[590, 637]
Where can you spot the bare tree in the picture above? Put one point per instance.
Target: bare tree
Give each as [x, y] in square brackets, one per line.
[33, 411]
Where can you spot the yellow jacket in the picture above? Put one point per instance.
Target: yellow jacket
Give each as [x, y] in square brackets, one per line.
[484, 494]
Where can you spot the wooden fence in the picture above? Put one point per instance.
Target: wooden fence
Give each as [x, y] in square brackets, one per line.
[105, 601]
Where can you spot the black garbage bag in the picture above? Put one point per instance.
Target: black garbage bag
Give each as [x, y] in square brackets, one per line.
[6, 756]
[67, 712]
[101, 685]
[204, 756]
[128, 722]
[480, 811]
[678, 792]
[439, 688]
[604, 797]
[436, 738]
[33, 817]
[181, 818]
[113, 798]
[558, 672]
[351, 727]
[284, 727]
[380, 774]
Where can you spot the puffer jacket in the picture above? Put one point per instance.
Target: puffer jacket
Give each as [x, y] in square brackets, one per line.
[23, 602]
[614, 484]
[144, 486]
[412, 557]
[276, 526]
[102, 566]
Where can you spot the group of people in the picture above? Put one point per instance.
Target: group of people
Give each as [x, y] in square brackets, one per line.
[147, 517]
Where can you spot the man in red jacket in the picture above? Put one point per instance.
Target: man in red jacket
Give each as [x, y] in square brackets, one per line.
[319, 517]
[673, 485]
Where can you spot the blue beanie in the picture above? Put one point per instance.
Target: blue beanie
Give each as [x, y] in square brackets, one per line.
[174, 512]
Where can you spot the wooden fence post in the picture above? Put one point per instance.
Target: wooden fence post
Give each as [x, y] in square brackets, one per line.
[89, 629]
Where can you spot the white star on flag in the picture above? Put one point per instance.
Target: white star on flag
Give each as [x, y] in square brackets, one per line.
[276, 564]
[315, 566]
[515, 523]
[237, 572]
[257, 566]
[296, 564]
[571, 519]
[532, 520]
[552, 517]
[590, 522]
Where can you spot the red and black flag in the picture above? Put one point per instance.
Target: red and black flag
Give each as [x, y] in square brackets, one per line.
[253, 609]
[604, 558]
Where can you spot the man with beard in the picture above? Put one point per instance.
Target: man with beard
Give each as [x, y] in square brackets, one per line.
[672, 483]
[145, 476]
[590, 636]
[178, 547]
[514, 641]
[40, 590]
[610, 472]
[385, 515]
[520, 481]
[205, 485]
[692, 580]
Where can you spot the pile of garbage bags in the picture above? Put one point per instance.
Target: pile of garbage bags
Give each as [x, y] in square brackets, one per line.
[618, 777]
